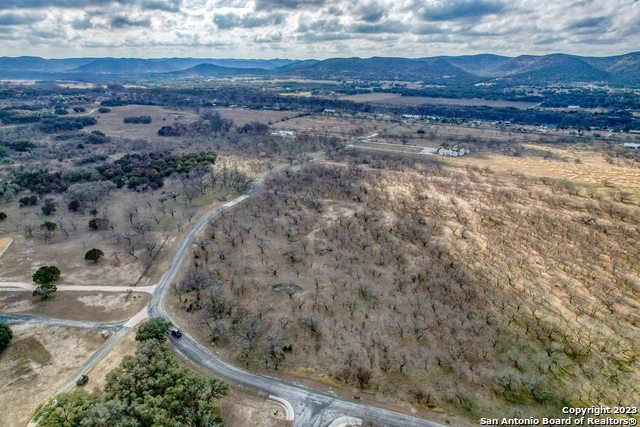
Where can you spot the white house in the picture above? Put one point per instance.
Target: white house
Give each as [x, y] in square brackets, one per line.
[283, 133]
[328, 111]
[633, 145]
[453, 152]
[411, 116]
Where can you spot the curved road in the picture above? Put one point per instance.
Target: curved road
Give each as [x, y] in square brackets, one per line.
[311, 407]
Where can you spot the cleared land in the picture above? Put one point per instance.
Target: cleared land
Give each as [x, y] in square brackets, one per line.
[393, 99]
[111, 123]
[89, 306]
[241, 116]
[4, 242]
[38, 360]
[343, 127]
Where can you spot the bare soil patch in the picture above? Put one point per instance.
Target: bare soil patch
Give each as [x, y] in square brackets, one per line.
[4, 242]
[38, 360]
[88, 306]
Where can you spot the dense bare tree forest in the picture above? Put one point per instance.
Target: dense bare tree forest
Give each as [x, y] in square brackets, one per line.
[449, 287]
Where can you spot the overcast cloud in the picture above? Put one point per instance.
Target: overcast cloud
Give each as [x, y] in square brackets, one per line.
[301, 29]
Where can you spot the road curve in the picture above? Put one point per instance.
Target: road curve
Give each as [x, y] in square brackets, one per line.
[311, 407]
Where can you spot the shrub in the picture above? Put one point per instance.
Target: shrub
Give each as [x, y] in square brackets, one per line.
[44, 291]
[99, 224]
[79, 109]
[28, 200]
[49, 226]
[61, 111]
[154, 329]
[137, 119]
[104, 110]
[49, 206]
[3, 216]
[5, 336]
[94, 255]
[46, 275]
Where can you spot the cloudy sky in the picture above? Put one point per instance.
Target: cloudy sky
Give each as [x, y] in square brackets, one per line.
[301, 29]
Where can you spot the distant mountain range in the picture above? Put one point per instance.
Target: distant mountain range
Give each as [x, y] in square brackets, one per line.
[546, 69]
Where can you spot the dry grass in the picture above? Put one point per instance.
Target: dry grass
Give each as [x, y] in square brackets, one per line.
[592, 170]
[240, 116]
[344, 127]
[28, 253]
[38, 360]
[393, 99]
[3, 243]
[111, 123]
[125, 347]
[89, 306]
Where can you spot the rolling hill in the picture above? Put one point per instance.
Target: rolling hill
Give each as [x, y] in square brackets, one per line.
[621, 70]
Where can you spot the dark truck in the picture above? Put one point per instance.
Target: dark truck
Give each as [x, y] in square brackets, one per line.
[82, 380]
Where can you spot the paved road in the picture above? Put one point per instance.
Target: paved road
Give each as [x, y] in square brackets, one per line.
[93, 360]
[311, 407]
[118, 329]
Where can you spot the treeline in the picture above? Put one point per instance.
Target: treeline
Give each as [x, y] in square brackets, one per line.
[138, 171]
[149, 388]
[137, 119]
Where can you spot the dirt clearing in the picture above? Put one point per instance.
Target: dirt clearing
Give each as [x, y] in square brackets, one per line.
[4, 243]
[241, 116]
[87, 306]
[39, 359]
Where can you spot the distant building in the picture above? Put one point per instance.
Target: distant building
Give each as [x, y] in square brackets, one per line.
[573, 107]
[329, 111]
[283, 133]
[411, 116]
[454, 152]
[631, 145]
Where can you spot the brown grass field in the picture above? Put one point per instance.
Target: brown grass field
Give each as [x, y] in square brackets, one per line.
[89, 306]
[345, 127]
[39, 359]
[111, 123]
[393, 99]
[4, 242]
[241, 116]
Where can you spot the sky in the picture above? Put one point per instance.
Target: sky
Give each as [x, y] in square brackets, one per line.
[319, 29]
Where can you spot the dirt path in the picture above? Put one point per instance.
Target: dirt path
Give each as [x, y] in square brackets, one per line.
[4, 244]
[4, 286]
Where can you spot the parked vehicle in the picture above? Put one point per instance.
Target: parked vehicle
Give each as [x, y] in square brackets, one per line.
[82, 380]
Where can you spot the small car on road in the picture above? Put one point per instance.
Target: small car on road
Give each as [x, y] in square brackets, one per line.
[82, 380]
[176, 332]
